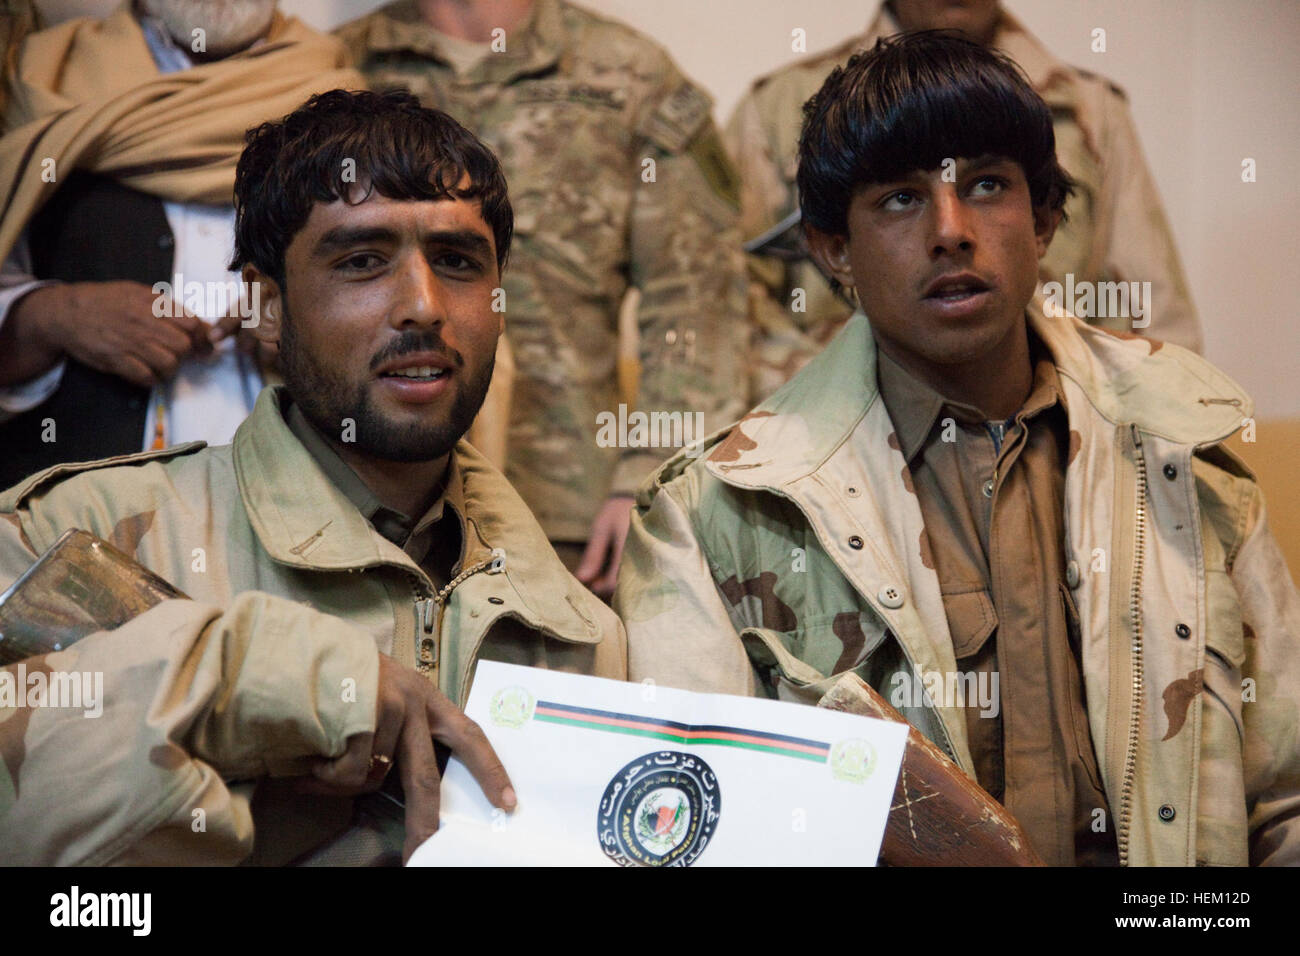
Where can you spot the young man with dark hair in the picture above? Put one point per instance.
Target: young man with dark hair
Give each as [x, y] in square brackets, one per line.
[1116, 231]
[349, 560]
[1023, 531]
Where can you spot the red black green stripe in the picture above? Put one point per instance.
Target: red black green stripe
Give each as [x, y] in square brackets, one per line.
[671, 730]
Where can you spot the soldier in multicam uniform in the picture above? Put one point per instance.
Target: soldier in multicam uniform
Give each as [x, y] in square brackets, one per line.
[1115, 227]
[619, 179]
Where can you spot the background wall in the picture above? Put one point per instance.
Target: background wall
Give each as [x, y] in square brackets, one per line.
[1210, 82]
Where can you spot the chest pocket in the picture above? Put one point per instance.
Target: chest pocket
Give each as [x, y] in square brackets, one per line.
[971, 621]
[803, 663]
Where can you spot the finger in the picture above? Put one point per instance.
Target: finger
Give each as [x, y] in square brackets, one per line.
[164, 334]
[130, 368]
[161, 361]
[183, 333]
[606, 585]
[420, 780]
[224, 327]
[351, 770]
[467, 740]
[593, 558]
[388, 729]
[192, 327]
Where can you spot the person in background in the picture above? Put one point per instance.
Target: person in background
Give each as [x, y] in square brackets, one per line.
[1114, 230]
[118, 162]
[620, 181]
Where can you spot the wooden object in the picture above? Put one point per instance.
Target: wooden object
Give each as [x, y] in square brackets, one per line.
[81, 585]
[940, 816]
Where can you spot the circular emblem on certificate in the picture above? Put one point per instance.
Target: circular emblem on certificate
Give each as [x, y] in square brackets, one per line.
[853, 760]
[659, 810]
[511, 707]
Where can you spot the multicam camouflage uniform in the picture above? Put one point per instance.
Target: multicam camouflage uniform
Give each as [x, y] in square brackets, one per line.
[792, 552]
[574, 107]
[1116, 229]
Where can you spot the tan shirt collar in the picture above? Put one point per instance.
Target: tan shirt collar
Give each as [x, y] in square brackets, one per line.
[914, 406]
[397, 527]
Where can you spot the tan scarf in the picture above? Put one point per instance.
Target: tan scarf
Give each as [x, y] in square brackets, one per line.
[86, 94]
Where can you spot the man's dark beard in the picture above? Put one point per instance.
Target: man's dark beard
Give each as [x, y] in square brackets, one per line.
[326, 402]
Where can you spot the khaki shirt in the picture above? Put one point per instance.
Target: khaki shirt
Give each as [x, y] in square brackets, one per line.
[1116, 229]
[618, 180]
[437, 542]
[992, 498]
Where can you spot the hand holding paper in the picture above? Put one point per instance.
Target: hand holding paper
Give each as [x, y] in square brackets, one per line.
[632, 774]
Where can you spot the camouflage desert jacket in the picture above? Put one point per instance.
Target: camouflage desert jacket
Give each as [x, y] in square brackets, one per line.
[275, 658]
[788, 550]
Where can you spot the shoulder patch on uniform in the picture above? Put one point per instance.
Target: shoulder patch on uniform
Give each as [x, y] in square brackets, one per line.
[13, 497]
[678, 117]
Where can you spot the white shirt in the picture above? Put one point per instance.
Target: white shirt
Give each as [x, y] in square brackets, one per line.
[209, 397]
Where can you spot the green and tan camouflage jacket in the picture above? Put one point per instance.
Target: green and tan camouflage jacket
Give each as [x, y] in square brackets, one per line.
[789, 551]
[275, 658]
[619, 180]
[1116, 231]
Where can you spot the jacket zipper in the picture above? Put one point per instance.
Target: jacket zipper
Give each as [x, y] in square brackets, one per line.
[1135, 613]
[428, 611]
[426, 641]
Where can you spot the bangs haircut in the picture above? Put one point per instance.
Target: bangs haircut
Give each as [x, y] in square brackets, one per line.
[913, 101]
[344, 145]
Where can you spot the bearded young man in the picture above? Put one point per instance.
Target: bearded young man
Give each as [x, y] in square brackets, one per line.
[1023, 531]
[349, 559]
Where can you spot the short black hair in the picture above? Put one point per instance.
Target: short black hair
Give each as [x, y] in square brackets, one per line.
[909, 103]
[398, 147]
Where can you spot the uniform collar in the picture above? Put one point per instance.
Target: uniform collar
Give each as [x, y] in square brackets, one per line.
[914, 406]
[533, 47]
[1164, 390]
[303, 520]
[392, 524]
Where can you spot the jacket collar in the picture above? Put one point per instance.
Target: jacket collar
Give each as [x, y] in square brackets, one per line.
[534, 47]
[1165, 390]
[304, 521]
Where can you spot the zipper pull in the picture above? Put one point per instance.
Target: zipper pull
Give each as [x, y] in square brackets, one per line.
[1137, 435]
[426, 641]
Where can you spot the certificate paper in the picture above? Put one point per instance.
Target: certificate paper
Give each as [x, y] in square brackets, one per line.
[611, 773]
